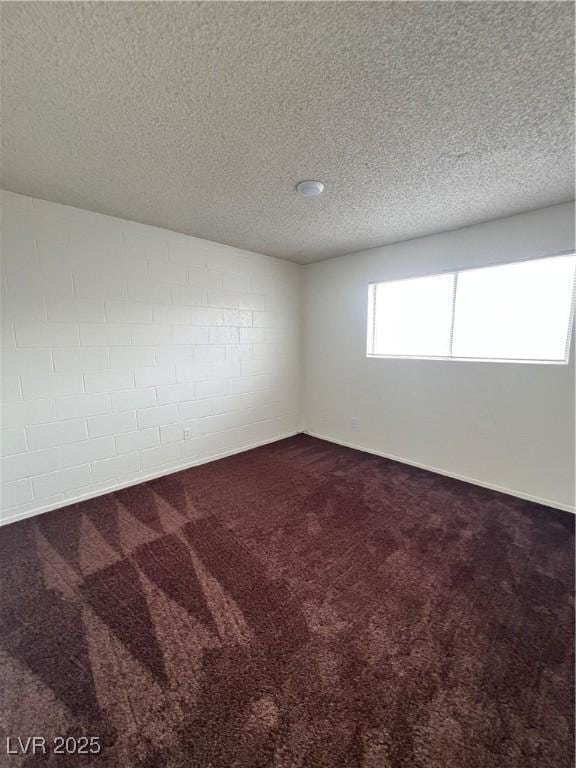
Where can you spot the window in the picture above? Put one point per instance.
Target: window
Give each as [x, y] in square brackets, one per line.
[511, 312]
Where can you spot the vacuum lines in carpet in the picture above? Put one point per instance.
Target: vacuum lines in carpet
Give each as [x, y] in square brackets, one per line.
[296, 606]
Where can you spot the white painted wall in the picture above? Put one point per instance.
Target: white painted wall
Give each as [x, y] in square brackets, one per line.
[117, 335]
[506, 425]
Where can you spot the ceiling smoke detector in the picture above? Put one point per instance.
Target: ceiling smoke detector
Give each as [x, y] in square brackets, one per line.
[310, 188]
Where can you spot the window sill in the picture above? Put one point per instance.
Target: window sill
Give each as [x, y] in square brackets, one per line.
[467, 359]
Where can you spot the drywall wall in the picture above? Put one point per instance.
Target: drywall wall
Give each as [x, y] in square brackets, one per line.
[506, 425]
[118, 337]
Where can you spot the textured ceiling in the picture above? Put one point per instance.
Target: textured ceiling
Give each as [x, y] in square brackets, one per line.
[201, 117]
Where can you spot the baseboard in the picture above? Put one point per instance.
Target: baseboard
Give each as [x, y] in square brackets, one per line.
[142, 479]
[214, 457]
[464, 478]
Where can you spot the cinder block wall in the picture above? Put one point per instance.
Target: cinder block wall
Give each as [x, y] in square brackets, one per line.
[131, 351]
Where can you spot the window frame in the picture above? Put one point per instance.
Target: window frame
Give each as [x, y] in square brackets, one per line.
[371, 309]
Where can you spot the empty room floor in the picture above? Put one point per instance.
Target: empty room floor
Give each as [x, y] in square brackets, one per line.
[301, 604]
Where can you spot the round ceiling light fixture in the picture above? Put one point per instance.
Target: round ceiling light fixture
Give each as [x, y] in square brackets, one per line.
[310, 188]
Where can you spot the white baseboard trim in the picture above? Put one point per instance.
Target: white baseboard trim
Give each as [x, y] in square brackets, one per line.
[464, 478]
[214, 457]
[142, 479]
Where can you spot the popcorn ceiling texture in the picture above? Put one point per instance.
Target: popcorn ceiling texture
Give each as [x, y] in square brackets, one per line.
[201, 117]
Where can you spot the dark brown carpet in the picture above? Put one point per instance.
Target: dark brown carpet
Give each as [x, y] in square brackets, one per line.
[299, 605]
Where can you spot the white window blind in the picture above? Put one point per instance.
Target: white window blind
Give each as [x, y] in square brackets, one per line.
[521, 311]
